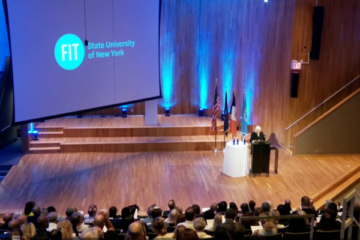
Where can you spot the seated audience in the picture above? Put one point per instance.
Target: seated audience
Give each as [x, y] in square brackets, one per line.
[55, 234]
[180, 219]
[79, 220]
[230, 217]
[66, 229]
[326, 223]
[22, 219]
[199, 226]
[248, 223]
[268, 226]
[307, 207]
[44, 211]
[28, 209]
[171, 205]
[69, 212]
[196, 209]
[236, 231]
[28, 230]
[136, 231]
[297, 225]
[233, 206]
[157, 212]
[287, 206]
[159, 227]
[258, 211]
[149, 217]
[275, 213]
[252, 205]
[36, 213]
[51, 209]
[52, 217]
[14, 224]
[190, 217]
[218, 219]
[265, 207]
[126, 223]
[244, 208]
[42, 225]
[182, 233]
[180, 209]
[90, 233]
[89, 218]
[7, 218]
[113, 212]
[220, 233]
[210, 214]
[15, 234]
[173, 215]
[221, 207]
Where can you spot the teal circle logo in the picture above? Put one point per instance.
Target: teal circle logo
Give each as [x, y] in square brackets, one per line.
[69, 51]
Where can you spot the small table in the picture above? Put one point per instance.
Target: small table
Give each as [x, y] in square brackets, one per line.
[236, 159]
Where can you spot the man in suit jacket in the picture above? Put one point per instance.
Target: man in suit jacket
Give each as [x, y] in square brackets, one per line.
[230, 216]
[171, 205]
[210, 214]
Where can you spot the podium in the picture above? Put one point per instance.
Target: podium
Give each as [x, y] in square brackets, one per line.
[260, 157]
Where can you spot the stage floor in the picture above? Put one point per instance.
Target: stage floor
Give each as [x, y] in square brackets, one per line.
[121, 179]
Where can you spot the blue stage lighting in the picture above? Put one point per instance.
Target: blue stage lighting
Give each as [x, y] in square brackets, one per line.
[265, 0]
[201, 112]
[167, 112]
[124, 112]
[34, 134]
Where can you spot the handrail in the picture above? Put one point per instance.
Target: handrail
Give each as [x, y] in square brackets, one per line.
[323, 102]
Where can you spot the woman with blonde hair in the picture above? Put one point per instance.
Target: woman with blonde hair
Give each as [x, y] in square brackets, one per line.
[66, 229]
[28, 230]
[268, 226]
[159, 227]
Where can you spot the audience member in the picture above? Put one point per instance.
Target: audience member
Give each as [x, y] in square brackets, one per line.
[135, 231]
[334, 217]
[233, 206]
[236, 231]
[28, 209]
[180, 219]
[171, 205]
[275, 213]
[99, 221]
[258, 211]
[22, 219]
[157, 212]
[297, 225]
[79, 220]
[221, 207]
[307, 207]
[42, 225]
[189, 216]
[248, 223]
[159, 227]
[265, 207]
[287, 205]
[126, 222]
[90, 233]
[199, 226]
[180, 209]
[220, 233]
[36, 213]
[91, 214]
[268, 226]
[230, 217]
[244, 208]
[55, 234]
[69, 212]
[149, 217]
[252, 205]
[7, 218]
[210, 214]
[196, 209]
[183, 233]
[51, 209]
[173, 215]
[218, 219]
[52, 217]
[28, 230]
[16, 234]
[14, 224]
[326, 222]
[113, 212]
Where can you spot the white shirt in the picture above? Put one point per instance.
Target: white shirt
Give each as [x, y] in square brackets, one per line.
[187, 224]
[51, 227]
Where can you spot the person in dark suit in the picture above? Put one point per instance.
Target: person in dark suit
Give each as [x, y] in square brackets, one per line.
[230, 216]
[210, 214]
[257, 135]
[33, 219]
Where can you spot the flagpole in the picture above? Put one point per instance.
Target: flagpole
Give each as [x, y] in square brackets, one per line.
[215, 150]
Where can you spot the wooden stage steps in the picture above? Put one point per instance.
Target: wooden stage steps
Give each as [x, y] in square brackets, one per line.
[116, 134]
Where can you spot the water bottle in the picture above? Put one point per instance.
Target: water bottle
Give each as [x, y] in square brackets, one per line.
[237, 142]
[234, 141]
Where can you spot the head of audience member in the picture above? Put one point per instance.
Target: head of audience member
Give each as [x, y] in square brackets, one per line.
[55, 234]
[51, 209]
[233, 206]
[171, 204]
[36, 211]
[180, 209]
[99, 221]
[213, 207]
[275, 213]
[44, 211]
[230, 214]
[173, 215]
[28, 230]
[333, 213]
[92, 210]
[252, 205]
[133, 208]
[157, 212]
[298, 224]
[190, 214]
[199, 224]
[267, 224]
[28, 208]
[244, 208]
[125, 212]
[222, 206]
[218, 219]
[248, 223]
[196, 209]
[287, 206]
[265, 207]
[113, 211]
[150, 210]
[271, 205]
[236, 231]
[288, 202]
[90, 233]
[305, 202]
[78, 218]
[14, 224]
[180, 219]
[104, 212]
[258, 211]
[179, 232]
[126, 222]
[52, 217]
[69, 211]
[66, 229]
[158, 226]
[220, 233]
[43, 222]
[332, 206]
[327, 203]
[15, 234]
[186, 234]
[326, 222]
[22, 219]
[135, 231]
[7, 218]
[282, 210]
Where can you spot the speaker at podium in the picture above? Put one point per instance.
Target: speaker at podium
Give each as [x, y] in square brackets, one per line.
[260, 162]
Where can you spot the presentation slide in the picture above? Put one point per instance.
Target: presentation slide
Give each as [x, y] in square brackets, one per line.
[55, 72]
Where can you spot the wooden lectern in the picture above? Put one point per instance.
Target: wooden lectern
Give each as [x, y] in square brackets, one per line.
[260, 157]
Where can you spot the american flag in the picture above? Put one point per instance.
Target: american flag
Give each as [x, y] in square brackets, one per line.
[216, 108]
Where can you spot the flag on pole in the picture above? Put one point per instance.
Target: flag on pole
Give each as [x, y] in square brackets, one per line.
[226, 118]
[233, 117]
[216, 107]
[244, 126]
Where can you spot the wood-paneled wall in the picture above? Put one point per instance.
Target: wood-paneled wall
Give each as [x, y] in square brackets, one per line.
[250, 45]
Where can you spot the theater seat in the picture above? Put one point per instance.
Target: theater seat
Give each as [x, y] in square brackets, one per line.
[328, 235]
[297, 236]
[277, 236]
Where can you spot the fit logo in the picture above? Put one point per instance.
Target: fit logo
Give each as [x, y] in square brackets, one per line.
[69, 52]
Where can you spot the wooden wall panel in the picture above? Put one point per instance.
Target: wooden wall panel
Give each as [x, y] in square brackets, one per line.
[250, 45]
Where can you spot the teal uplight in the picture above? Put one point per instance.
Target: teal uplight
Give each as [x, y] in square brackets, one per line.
[228, 58]
[203, 53]
[167, 70]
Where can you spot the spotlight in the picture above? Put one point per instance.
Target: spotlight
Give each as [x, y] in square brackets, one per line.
[201, 112]
[34, 134]
[124, 112]
[265, 0]
[167, 112]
